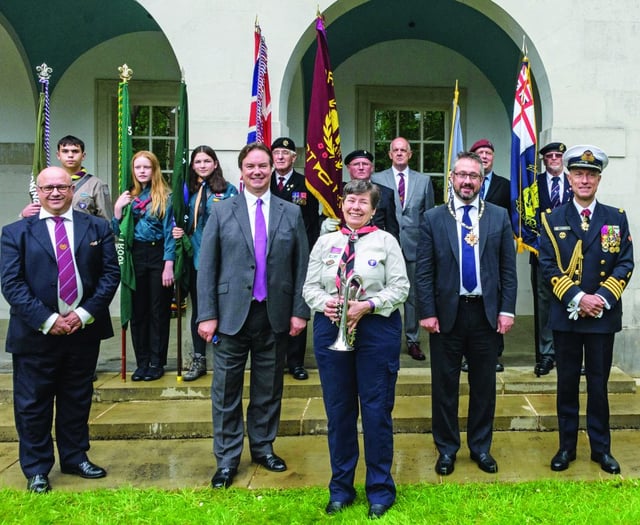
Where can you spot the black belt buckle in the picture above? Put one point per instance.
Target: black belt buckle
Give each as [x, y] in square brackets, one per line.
[471, 298]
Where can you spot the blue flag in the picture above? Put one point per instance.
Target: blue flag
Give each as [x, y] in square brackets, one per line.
[524, 186]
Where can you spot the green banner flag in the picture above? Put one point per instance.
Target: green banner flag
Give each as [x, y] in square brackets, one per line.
[180, 192]
[124, 243]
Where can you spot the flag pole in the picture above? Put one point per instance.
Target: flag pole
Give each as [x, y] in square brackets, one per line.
[127, 284]
[179, 197]
[453, 125]
[43, 123]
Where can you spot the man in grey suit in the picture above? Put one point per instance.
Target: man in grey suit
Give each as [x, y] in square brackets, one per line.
[252, 267]
[413, 196]
[466, 289]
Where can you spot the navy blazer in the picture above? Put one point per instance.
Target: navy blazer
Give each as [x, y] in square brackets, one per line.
[227, 265]
[544, 192]
[385, 216]
[499, 192]
[607, 264]
[296, 191]
[438, 266]
[30, 279]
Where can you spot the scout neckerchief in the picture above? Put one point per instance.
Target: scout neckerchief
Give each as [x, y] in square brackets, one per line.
[346, 265]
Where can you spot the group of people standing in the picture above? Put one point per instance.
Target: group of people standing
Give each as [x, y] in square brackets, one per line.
[263, 261]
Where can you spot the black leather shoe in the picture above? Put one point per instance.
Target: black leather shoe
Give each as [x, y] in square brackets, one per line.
[271, 462]
[607, 462]
[223, 478]
[139, 374]
[499, 367]
[377, 510]
[444, 465]
[333, 507]
[298, 372]
[38, 484]
[485, 462]
[86, 469]
[562, 459]
[544, 366]
[465, 366]
[153, 373]
[413, 349]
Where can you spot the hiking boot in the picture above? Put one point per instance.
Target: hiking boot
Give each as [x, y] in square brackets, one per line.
[198, 368]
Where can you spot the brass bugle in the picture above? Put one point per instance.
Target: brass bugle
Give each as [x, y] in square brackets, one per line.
[347, 292]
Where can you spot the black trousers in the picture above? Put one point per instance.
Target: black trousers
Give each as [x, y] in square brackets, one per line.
[61, 375]
[151, 306]
[597, 350]
[472, 337]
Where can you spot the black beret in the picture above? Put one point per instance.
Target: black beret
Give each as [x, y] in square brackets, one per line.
[359, 153]
[283, 142]
[553, 146]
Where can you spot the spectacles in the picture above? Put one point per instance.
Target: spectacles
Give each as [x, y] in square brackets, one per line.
[463, 175]
[62, 188]
[553, 156]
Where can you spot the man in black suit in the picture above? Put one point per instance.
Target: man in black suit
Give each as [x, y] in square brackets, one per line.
[290, 185]
[586, 256]
[497, 190]
[466, 288]
[554, 190]
[59, 274]
[253, 264]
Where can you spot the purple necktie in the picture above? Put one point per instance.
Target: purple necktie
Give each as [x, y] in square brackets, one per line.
[260, 248]
[401, 188]
[66, 269]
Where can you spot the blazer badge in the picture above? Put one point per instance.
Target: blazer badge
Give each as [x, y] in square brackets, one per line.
[610, 238]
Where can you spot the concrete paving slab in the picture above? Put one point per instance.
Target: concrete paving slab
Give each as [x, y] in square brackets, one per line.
[173, 464]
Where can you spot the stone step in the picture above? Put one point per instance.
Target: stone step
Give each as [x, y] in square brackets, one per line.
[183, 410]
[109, 387]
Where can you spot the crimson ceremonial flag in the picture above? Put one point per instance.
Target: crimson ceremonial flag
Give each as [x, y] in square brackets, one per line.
[524, 186]
[323, 163]
[260, 113]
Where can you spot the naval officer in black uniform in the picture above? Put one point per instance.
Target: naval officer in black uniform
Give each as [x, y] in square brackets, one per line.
[586, 255]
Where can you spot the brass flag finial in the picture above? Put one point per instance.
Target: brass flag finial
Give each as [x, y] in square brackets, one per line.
[125, 72]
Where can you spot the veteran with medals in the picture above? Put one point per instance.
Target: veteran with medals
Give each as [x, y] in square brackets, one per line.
[466, 294]
[586, 254]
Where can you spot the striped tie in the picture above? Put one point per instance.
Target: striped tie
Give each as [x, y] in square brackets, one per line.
[555, 192]
[401, 188]
[66, 269]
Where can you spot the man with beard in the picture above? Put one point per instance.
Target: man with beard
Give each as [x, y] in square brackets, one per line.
[466, 290]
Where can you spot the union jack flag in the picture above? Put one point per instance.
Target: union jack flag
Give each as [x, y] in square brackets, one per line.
[260, 113]
[524, 186]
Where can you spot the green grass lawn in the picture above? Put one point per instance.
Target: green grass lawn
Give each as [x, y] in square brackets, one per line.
[562, 502]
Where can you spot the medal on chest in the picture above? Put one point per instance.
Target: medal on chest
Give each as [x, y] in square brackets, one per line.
[471, 238]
